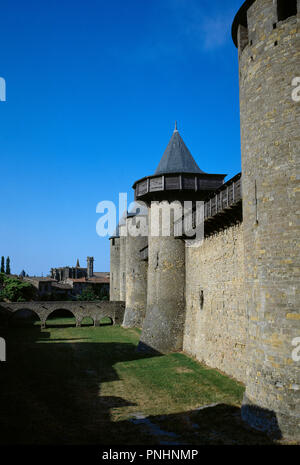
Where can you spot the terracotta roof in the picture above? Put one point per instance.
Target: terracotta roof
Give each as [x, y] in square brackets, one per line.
[103, 280]
[62, 286]
[101, 274]
[94, 280]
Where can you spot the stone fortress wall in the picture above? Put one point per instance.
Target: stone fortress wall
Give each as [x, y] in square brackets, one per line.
[233, 302]
[269, 60]
[215, 319]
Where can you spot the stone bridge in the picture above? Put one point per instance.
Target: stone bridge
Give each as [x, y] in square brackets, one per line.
[80, 310]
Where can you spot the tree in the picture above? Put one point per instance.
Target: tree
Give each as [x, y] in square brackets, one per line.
[7, 266]
[16, 290]
[88, 294]
[2, 265]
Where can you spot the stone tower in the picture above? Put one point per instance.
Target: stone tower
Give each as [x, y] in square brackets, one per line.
[266, 33]
[136, 268]
[90, 267]
[122, 269]
[177, 178]
[114, 287]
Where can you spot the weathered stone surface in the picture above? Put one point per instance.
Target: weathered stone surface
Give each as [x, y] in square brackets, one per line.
[136, 280]
[164, 321]
[215, 322]
[234, 302]
[115, 269]
[122, 271]
[270, 122]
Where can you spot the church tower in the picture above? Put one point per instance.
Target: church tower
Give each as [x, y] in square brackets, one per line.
[90, 267]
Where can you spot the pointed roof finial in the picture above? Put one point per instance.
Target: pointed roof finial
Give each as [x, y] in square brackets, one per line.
[177, 158]
[77, 264]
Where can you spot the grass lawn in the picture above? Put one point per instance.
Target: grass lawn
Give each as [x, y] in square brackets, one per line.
[89, 385]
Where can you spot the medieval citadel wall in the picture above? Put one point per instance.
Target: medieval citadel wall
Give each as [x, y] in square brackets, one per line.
[136, 280]
[122, 269]
[215, 330]
[115, 269]
[270, 165]
[241, 287]
[164, 320]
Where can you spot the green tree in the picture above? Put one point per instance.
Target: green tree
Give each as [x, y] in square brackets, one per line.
[16, 290]
[88, 294]
[7, 266]
[2, 265]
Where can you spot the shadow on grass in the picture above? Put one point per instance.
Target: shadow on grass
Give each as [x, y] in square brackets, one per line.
[51, 394]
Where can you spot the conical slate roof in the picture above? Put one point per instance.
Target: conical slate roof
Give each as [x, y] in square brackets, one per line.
[177, 157]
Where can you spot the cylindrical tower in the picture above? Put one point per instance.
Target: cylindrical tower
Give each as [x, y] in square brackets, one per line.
[164, 322]
[122, 270]
[267, 35]
[114, 286]
[136, 272]
[177, 178]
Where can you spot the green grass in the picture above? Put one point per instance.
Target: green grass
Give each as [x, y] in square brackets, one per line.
[70, 385]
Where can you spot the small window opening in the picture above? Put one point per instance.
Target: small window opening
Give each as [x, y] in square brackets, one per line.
[201, 299]
[286, 8]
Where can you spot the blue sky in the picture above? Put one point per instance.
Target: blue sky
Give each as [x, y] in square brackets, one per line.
[93, 90]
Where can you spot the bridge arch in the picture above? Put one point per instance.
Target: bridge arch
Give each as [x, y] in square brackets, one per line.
[25, 315]
[78, 310]
[87, 320]
[60, 312]
[106, 321]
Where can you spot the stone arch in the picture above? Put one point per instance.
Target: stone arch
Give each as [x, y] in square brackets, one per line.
[83, 321]
[106, 320]
[63, 311]
[23, 314]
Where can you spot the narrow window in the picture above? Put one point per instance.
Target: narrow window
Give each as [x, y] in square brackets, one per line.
[113, 242]
[286, 8]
